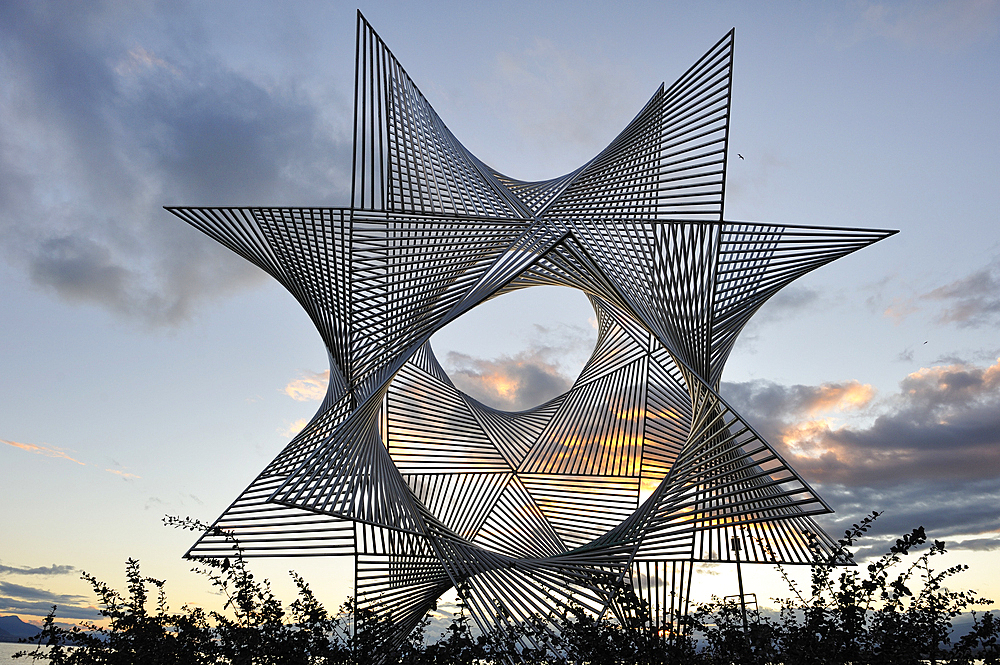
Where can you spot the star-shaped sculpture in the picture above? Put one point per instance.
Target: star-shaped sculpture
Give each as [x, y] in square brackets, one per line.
[601, 498]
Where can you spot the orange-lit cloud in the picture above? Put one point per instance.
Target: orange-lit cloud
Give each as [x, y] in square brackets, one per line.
[291, 429]
[140, 60]
[956, 381]
[806, 438]
[123, 474]
[511, 383]
[48, 451]
[943, 424]
[848, 396]
[311, 387]
[60, 453]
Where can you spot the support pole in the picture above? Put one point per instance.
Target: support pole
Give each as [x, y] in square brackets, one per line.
[743, 602]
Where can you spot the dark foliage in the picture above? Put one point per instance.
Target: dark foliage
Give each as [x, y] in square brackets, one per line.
[895, 610]
[889, 613]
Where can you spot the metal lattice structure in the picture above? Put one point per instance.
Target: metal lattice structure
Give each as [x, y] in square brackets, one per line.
[602, 498]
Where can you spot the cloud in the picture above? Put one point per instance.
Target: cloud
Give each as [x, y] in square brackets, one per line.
[121, 472]
[99, 132]
[21, 599]
[899, 309]
[139, 61]
[41, 608]
[957, 512]
[509, 383]
[945, 25]
[311, 387]
[928, 454]
[943, 424]
[28, 600]
[788, 303]
[43, 570]
[977, 544]
[61, 453]
[124, 475]
[971, 302]
[775, 402]
[48, 451]
[291, 429]
[545, 368]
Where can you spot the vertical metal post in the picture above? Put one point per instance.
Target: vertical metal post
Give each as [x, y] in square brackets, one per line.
[743, 601]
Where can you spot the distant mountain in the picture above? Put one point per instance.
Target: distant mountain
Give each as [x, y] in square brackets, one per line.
[12, 629]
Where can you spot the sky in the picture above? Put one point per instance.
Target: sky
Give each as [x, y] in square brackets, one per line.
[148, 372]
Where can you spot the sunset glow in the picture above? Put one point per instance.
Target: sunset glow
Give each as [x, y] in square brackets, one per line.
[150, 371]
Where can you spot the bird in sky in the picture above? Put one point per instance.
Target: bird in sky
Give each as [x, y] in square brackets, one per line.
[739, 155]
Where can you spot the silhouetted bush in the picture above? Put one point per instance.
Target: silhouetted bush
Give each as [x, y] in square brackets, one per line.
[895, 610]
[889, 613]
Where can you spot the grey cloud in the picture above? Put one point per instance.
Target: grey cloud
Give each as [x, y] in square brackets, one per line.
[972, 301]
[930, 457]
[949, 359]
[78, 267]
[27, 593]
[791, 301]
[41, 608]
[947, 509]
[773, 402]
[894, 452]
[43, 570]
[943, 424]
[945, 26]
[99, 133]
[528, 378]
[978, 544]
[910, 432]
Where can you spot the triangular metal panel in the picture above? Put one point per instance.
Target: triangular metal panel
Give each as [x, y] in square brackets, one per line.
[517, 527]
[514, 433]
[597, 430]
[435, 435]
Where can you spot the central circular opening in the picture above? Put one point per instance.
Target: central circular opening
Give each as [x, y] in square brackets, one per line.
[521, 349]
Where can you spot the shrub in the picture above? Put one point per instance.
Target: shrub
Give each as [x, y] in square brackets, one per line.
[889, 613]
[892, 611]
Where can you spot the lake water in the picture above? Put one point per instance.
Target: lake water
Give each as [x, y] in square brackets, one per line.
[8, 649]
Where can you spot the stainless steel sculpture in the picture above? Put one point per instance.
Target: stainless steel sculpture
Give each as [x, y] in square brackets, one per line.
[602, 498]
